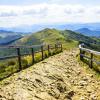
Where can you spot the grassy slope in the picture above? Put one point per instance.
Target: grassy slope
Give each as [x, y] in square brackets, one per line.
[76, 36]
[92, 43]
[47, 36]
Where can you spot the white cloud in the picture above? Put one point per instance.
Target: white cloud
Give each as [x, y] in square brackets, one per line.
[47, 14]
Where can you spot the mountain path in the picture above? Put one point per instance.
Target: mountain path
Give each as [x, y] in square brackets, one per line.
[60, 77]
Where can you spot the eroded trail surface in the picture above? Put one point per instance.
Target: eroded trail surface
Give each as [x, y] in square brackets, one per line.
[59, 77]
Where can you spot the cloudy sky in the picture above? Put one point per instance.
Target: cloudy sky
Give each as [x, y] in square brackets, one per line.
[27, 12]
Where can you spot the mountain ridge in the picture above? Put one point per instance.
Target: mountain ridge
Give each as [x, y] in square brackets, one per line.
[88, 32]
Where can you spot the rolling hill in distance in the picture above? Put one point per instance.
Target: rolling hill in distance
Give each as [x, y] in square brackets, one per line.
[88, 32]
[5, 33]
[50, 36]
[7, 37]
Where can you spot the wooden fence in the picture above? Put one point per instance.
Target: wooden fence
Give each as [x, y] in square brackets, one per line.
[91, 58]
[42, 49]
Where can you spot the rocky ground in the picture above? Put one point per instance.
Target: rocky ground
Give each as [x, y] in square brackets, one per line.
[59, 77]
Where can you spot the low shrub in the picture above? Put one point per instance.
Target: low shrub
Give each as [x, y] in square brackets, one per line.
[46, 54]
[11, 63]
[38, 57]
[24, 63]
[29, 59]
[2, 67]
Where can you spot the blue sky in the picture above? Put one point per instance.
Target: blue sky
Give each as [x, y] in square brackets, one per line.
[28, 12]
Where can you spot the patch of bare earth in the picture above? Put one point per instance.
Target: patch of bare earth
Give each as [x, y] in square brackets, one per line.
[59, 77]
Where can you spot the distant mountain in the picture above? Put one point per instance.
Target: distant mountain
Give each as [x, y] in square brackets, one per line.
[69, 26]
[5, 33]
[88, 32]
[63, 26]
[9, 39]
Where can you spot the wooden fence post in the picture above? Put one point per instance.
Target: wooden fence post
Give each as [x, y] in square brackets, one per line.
[19, 58]
[81, 57]
[91, 62]
[33, 56]
[42, 52]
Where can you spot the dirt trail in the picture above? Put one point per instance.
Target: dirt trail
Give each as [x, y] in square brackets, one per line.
[59, 77]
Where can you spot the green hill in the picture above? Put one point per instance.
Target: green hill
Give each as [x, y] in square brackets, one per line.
[68, 38]
[45, 36]
[77, 36]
